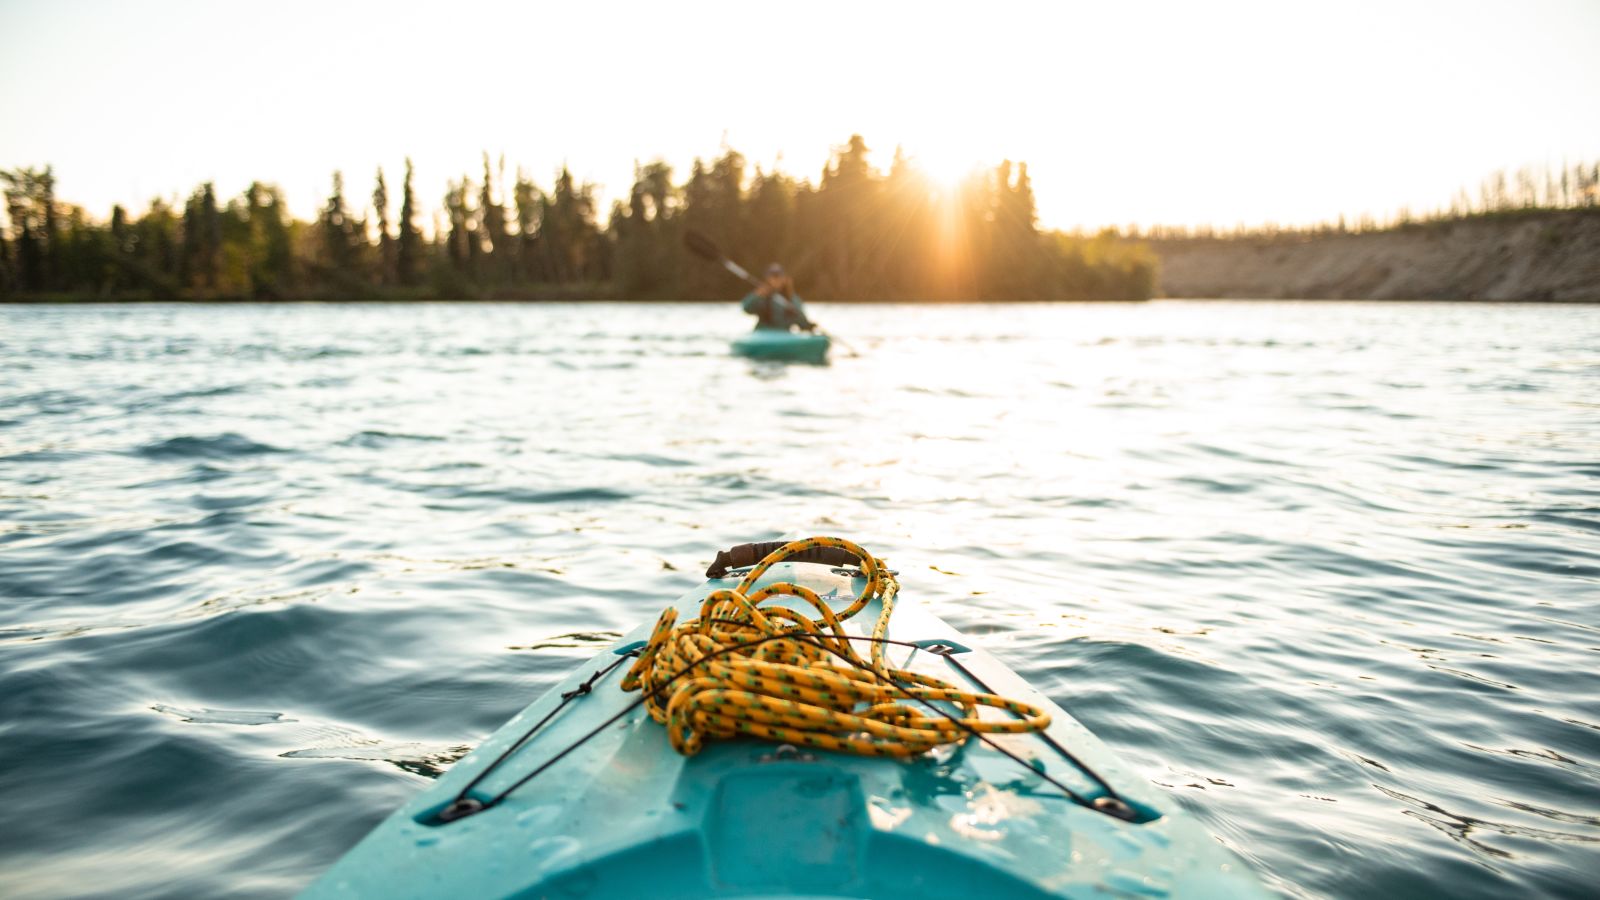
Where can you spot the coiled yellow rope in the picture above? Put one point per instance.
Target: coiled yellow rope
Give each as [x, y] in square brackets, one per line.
[812, 689]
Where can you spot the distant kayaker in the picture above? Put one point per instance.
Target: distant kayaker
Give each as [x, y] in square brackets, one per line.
[776, 305]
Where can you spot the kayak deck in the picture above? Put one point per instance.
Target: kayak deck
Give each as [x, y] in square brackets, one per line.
[625, 816]
[776, 344]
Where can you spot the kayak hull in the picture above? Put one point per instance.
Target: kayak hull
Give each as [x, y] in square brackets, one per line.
[788, 346]
[626, 816]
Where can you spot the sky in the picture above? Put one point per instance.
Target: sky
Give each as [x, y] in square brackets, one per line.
[1150, 112]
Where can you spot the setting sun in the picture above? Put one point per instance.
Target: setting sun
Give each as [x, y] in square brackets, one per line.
[947, 163]
[1158, 113]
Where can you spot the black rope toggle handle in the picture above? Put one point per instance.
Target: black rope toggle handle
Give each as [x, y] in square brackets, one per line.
[742, 555]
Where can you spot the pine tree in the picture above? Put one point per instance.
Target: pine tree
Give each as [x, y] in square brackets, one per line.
[494, 231]
[47, 262]
[848, 201]
[769, 218]
[458, 246]
[29, 196]
[380, 204]
[644, 241]
[119, 248]
[272, 260]
[8, 266]
[408, 243]
[339, 233]
[726, 214]
[529, 202]
[568, 231]
[202, 237]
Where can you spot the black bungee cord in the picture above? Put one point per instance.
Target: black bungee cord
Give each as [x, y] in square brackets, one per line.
[1111, 803]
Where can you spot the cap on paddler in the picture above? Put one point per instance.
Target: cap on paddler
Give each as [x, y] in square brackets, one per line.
[774, 269]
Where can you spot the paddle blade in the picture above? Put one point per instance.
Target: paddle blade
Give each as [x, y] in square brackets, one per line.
[701, 246]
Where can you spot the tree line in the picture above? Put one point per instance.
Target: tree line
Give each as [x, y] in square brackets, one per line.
[857, 233]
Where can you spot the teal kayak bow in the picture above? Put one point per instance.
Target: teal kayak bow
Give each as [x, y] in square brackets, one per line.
[582, 795]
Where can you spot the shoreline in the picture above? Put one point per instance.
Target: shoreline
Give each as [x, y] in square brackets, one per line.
[1548, 256]
[400, 301]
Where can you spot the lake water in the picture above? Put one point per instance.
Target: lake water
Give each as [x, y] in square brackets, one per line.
[1328, 573]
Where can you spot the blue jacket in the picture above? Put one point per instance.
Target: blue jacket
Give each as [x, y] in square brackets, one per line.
[776, 311]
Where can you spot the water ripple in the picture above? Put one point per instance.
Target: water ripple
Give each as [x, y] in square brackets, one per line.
[1326, 573]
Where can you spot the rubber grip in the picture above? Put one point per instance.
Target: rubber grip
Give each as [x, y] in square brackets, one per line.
[749, 554]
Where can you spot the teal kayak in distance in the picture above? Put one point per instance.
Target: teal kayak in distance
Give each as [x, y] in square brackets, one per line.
[622, 815]
[777, 344]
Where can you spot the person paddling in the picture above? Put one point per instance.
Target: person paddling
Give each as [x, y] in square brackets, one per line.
[775, 304]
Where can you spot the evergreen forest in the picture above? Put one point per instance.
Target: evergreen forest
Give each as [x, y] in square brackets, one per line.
[856, 233]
